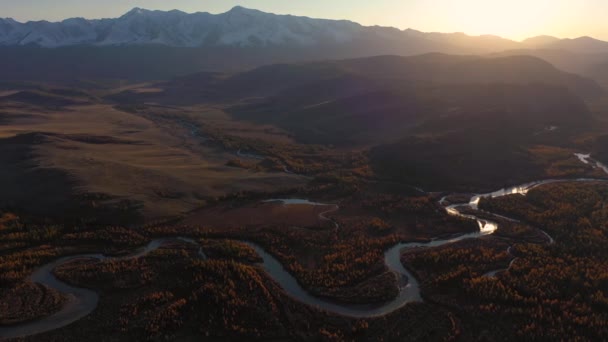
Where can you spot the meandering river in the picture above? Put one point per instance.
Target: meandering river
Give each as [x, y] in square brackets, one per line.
[81, 302]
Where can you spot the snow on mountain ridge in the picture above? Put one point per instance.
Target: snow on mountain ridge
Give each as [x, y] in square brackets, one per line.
[238, 27]
[253, 28]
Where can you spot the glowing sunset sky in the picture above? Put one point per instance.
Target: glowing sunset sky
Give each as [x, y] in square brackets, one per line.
[515, 19]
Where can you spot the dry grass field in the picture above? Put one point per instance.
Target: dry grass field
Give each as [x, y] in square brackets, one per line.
[262, 214]
[100, 149]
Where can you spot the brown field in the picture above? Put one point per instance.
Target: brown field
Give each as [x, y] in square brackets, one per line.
[124, 155]
[8, 92]
[145, 90]
[258, 214]
[214, 117]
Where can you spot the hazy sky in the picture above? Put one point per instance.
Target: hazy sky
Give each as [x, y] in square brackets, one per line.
[516, 19]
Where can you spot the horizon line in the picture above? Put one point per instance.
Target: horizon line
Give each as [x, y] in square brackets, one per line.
[298, 16]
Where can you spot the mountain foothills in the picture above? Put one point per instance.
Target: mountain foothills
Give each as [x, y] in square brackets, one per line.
[251, 176]
[418, 112]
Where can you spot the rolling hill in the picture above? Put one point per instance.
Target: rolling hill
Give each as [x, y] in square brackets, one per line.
[382, 98]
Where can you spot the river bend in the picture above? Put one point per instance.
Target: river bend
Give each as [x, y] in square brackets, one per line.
[81, 302]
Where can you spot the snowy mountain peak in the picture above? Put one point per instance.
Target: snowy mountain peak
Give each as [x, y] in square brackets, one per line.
[244, 27]
[248, 11]
[239, 9]
[135, 11]
[238, 27]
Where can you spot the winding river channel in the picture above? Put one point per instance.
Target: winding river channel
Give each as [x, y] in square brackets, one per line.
[81, 302]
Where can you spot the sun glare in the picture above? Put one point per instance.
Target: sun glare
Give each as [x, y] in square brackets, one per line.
[515, 18]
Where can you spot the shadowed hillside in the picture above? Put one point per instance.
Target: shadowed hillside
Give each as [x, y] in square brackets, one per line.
[383, 98]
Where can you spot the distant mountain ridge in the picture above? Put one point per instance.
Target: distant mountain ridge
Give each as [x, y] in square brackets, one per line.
[153, 45]
[237, 27]
[376, 99]
[244, 27]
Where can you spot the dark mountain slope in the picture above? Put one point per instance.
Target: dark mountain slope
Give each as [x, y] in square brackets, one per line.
[382, 98]
[423, 69]
[488, 141]
[584, 64]
[374, 71]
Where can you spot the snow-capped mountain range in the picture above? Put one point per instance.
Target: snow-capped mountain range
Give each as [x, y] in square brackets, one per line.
[237, 27]
[145, 45]
[242, 27]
